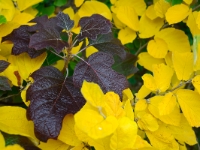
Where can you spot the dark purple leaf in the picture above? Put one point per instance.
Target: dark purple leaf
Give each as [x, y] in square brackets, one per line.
[47, 35]
[64, 21]
[125, 66]
[93, 26]
[108, 44]
[98, 69]
[21, 37]
[51, 98]
[4, 84]
[3, 65]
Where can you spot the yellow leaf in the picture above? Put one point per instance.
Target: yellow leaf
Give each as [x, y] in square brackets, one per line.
[2, 141]
[183, 132]
[188, 1]
[162, 139]
[196, 82]
[196, 52]
[161, 7]
[190, 105]
[183, 65]
[23, 18]
[128, 16]
[125, 134]
[77, 48]
[167, 105]
[173, 118]
[13, 147]
[100, 144]
[162, 75]
[81, 146]
[7, 28]
[82, 136]
[139, 6]
[157, 48]
[32, 11]
[146, 121]
[67, 133]
[168, 59]
[23, 96]
[141, 105]
[176, 39]
[94, 7]
[143, 92]
[129, 110]
[149, 82]
[93, 94]
[198, 20]
[90, 50]
[148, 27]
[113, 105]
[146, 60]
[177, 13]
[150, 12]
[7, 9]
[69, 11]
[126, 35]
[27, 65]
[140, 143]
[21, 125]
[23, 4]
[127, 95]
[94, 124]
[117, 22]
[5, 49]
[191, 23]
[59, 65]
[78, 3]
[53, 145]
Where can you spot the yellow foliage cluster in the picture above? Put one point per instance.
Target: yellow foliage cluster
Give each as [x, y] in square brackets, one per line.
[105, 122]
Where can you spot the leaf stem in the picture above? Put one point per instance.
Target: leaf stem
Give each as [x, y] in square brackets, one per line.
[141, 48]
[4, 98]
[81, 59]
[83, 49]
[195, 8]
[57, 54]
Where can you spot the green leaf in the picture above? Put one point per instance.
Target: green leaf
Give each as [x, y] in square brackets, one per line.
[2, 19]
[174, 2]
[21, 140]
[60, 2]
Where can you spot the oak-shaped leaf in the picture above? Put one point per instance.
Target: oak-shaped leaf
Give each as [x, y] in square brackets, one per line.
[125, 66]
[47, 35]
[64, 21]
[4, 84]
[107, 43]
[51, 96]
[93, 26]
[98, 69]
[3, 65]
[21, 38]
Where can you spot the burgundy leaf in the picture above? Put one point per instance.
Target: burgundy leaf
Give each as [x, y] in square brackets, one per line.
[51, 98]
[64, 21]
[93, 26]
[4, 84]
[47, 35]
[108, 44]
[21, 37]
[3, 65]
[125, 66]
[98, 69]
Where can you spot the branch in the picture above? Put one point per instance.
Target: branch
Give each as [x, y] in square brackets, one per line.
[195, 8]
[141, 48]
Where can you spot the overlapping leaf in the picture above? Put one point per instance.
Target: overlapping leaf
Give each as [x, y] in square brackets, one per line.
[21, 37]
[3, 65]
[64, 21]
[107, 43]
[93, 26]
[51, 98]
[48, 34]
[98, 69]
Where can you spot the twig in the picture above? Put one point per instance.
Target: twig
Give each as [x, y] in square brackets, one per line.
[4, 98]
[195, 8]
[81, 59]
[83, 49]
[57, 54]
[143, 46]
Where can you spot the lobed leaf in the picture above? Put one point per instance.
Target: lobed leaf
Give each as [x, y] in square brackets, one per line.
[93, 26]
[64, 21]
[3, 65]
[108, 44]
[48, 34]
[51, 98]
[21, 37]
[98, 69]
[4, 84]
